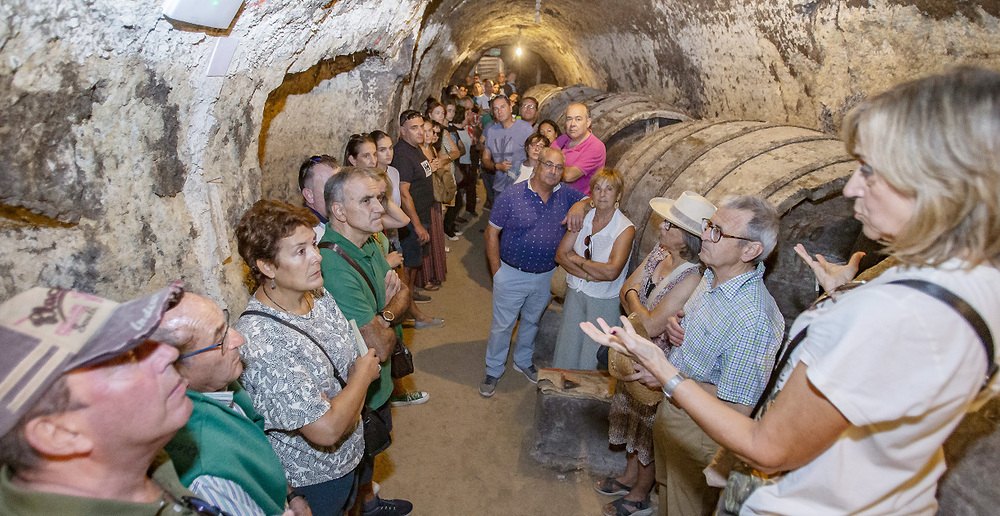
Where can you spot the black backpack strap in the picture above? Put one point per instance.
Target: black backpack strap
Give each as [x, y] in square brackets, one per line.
[965, 310]
[343, 254]
[336, 374]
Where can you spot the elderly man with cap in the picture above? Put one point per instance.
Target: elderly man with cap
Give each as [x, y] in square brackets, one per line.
[87, 403]
[222, 453]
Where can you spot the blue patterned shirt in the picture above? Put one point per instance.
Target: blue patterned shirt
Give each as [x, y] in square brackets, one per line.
[732, 333]
[532, 229]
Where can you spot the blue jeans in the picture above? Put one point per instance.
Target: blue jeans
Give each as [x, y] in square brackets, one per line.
[488, 179]
[516, 292]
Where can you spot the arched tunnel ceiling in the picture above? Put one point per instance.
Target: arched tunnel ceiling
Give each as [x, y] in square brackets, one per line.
[456, 30]
[794, 61]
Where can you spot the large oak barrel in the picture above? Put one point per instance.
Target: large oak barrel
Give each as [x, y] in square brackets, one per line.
[619, 119]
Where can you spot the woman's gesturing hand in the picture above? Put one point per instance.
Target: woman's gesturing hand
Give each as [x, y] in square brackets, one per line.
[830, 275]
[625, 340]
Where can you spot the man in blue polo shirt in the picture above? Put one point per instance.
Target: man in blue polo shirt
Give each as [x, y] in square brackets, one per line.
[522, 260]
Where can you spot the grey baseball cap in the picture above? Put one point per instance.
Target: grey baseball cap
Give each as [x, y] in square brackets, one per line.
[47, 332]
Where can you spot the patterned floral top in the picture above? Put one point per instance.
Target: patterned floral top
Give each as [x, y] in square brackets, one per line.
[657, 255]
[285, 375]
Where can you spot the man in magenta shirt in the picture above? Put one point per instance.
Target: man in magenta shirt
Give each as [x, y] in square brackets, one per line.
[585, 154]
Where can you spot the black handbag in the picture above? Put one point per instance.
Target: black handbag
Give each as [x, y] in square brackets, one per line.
[402, 359]
[377, 436]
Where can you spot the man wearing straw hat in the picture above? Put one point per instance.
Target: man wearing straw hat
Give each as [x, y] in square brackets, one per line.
[87, 403]
[726, 339]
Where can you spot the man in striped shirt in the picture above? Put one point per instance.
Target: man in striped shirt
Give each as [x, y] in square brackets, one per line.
[726, 339]
[222, 454]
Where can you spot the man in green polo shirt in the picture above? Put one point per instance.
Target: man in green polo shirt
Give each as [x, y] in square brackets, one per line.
[377, 305]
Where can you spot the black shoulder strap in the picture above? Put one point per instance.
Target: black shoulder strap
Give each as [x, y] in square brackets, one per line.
[780, 361]
[343, 254]
[932, 289]
[965, 310]
[336, 374]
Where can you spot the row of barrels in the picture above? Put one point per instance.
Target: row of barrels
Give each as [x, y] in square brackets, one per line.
[662, 151]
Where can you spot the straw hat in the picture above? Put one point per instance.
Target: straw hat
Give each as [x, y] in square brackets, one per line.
[686, 212]
[619, 365]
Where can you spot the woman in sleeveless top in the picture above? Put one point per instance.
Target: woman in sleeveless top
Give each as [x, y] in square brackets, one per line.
[594, 259]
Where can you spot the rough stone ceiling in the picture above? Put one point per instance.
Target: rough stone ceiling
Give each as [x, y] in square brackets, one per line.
[459, 30]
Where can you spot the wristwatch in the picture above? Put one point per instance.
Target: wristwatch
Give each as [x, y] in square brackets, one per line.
[387, 316]
[668, 388]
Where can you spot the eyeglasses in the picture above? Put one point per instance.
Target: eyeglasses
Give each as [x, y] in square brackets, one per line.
[317, 159]
[587, 253]
[548, 165]
[715, 232]
[221, 344]
[670, 225]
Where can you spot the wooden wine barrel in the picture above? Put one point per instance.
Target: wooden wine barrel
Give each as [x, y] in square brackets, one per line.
[619, 119]
[800, 171]
[541, 92]
[555, 103]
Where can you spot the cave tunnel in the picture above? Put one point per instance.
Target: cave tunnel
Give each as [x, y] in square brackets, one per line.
[131, 143]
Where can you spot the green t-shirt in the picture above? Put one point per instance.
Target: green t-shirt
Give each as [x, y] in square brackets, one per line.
[353, 296]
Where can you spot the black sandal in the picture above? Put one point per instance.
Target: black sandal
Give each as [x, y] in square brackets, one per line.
[612, 487]
[625, 507]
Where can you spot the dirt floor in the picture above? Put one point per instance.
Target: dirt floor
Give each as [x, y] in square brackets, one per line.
[461, 454]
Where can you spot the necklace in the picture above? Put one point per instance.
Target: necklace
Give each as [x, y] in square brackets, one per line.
[283, 309]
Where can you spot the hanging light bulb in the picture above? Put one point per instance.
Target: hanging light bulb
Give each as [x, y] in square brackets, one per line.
[518, 51]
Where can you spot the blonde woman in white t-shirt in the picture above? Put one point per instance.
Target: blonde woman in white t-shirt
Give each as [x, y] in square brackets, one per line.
[857, 418]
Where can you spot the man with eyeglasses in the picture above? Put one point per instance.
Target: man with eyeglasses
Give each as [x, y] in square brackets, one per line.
[529, 110]
[222, 453]
[87, 402]
[726, 339]
[522, 259]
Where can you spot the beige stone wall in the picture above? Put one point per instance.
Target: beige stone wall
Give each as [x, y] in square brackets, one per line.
[125, 167]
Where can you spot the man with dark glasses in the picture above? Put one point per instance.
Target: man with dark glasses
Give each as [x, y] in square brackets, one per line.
[87, 402]
[222, 453]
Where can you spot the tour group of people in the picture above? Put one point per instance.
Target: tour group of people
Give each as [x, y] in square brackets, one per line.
[170, 404]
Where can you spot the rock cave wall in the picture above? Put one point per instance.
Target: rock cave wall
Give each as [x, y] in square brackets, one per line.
[125, 167]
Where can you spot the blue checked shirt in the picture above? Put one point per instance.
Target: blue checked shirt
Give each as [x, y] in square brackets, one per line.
[732, 333]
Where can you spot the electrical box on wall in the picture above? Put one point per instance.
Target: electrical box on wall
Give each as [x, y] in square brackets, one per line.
[210, 13]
